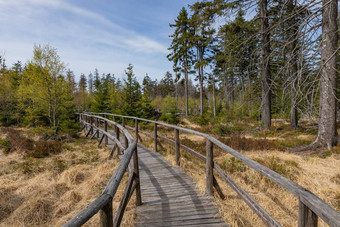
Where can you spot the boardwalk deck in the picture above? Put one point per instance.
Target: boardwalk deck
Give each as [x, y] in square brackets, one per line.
[169, 196]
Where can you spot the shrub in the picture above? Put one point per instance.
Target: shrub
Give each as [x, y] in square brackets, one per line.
[17, 141]
[247, 144]
[233, 165]
[45, 148]
[288, 168]
[6, 145]
[169, 110]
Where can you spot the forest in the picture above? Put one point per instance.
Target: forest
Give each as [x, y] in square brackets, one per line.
[232, 61]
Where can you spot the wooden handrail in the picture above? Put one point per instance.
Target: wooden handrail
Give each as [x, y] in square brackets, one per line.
[310, 205]
[104, 202]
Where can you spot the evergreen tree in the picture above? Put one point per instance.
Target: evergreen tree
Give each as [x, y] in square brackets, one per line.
[181, 49]
[131, 94]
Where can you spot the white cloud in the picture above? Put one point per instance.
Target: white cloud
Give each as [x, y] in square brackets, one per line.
[85, 41]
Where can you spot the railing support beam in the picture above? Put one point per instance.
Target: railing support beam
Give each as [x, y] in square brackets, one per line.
[136, 171]
[209, 167]
[155, 136]
[307, 218]
[106, 218]
[177, 147]
[105, 128]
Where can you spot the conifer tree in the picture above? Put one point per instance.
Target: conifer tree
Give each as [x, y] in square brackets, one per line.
[131, 94]
[181, 49]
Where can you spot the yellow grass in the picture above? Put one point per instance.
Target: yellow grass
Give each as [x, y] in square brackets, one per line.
[50, 191]
[319, 175]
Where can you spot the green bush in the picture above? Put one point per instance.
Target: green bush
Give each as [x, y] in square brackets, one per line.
[45, 148]
[169, 110]
[6, 145]
[234, 165]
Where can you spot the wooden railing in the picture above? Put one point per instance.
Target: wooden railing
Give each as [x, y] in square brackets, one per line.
[310, 206]
[96, 125]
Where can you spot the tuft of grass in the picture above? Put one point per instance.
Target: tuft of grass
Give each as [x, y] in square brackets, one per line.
[43, 149]
[28, 166]
[5, 144]
[336, 179]
[233, 165]
[287, 168]
[248, 144]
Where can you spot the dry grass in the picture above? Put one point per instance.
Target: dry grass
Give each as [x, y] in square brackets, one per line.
[319, 174]
[49, 191]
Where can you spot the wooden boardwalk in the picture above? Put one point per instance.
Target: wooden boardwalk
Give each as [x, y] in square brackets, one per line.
[166, 196]
[169, 196]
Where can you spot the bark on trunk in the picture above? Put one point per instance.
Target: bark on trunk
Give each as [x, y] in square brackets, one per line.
[327, 131]
[214, 98]
[265, 79]
[292, 39]
[186, 80]
[201, 91]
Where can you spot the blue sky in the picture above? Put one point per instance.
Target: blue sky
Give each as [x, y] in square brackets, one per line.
[102, 34]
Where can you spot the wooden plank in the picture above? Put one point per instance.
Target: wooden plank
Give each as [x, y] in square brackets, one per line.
[257, 208]
[126, 197]
[177, 147]
[106, 215]
[85, 214]
[218, 188]
[101, 140]
[209, 168]
[155, 136]
[105, 129]
[307, 218]
[136, 178]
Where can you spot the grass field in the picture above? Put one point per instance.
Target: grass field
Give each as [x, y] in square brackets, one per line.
[317, 171]
[49, 191]
[50, 187]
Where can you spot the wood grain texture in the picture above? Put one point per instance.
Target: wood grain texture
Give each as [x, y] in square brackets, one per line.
[170, 197]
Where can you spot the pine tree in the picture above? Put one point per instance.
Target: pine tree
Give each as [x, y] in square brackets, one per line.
[181, 47]
[131, 94]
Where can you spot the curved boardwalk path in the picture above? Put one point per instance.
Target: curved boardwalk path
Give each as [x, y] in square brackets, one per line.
[169, 196]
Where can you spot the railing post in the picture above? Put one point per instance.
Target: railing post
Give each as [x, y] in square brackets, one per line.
[177, 147]
[117, 136]
[106, 218]
[97, 125]
[136, 170]
[126, 143]
[209, 167]
[105, 128]
[91, 122]
[155, 135]
[307, 218]
[136, 129]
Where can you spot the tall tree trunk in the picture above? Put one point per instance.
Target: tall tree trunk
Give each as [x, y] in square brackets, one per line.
[201, 90]
[213, 93]
[200, 75]
[327, 131]
[265, 79]
[292, 39]
[186, 81]
[232, 90]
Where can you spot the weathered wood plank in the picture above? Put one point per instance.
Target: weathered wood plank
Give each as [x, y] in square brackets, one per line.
[177, 147]
[209, 168]
[257, 208]
[307, 218]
